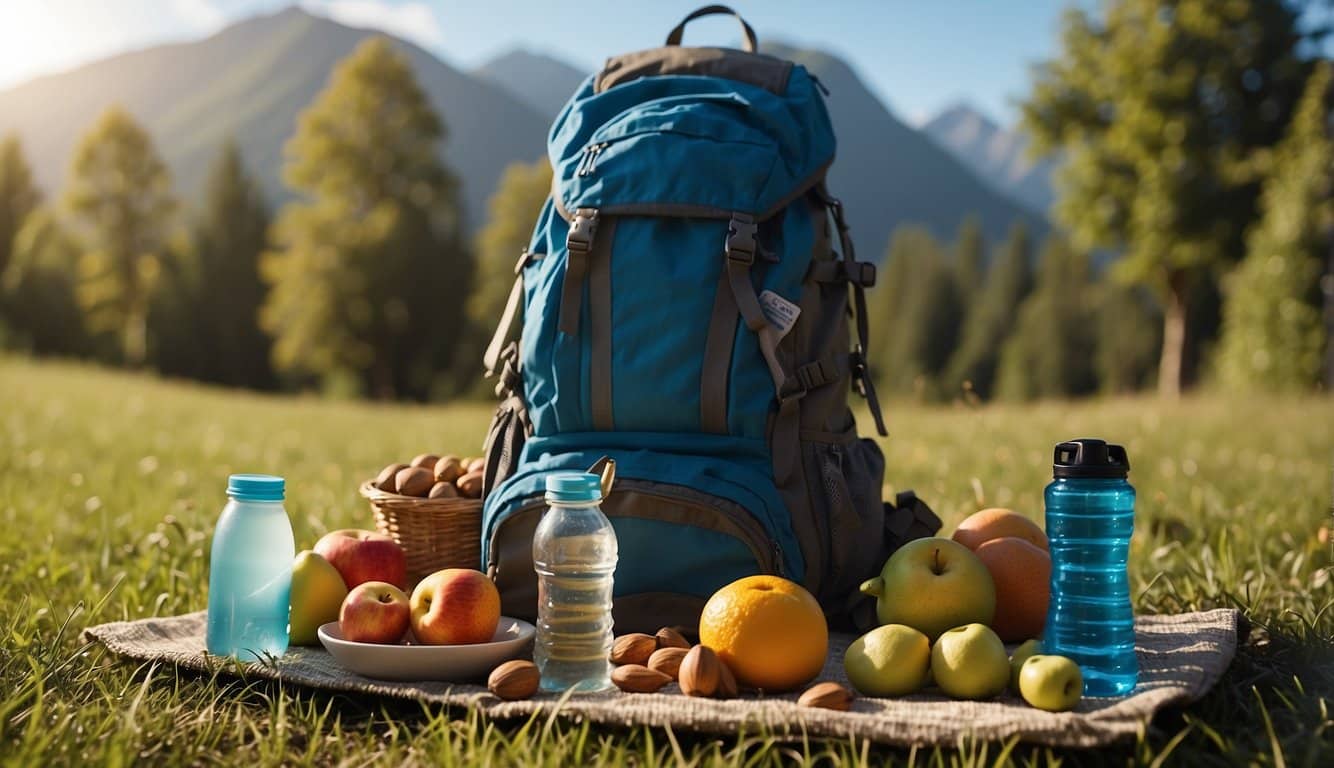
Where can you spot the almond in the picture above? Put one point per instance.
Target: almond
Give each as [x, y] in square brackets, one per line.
[443, 491]
[448, 469]
[513, 680]
[667, 661]
[470, 485]
[827, 695]
[385, 480]
[475, 465]
[637, 678]
[699, 673]
[670, 638]
[727, 688]
[634, 648]
[424, 460]
[413, 481]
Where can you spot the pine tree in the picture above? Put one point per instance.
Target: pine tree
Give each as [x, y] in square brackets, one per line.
[370, 276]
[39, 291]
[18, 196]
[514, 209]
[970, 261]
[1050, 352]
[1129, 325]
[121, 209]
[972, 367]
[1164, 109]
[228, 238]
[920, 309]
[1273, 333]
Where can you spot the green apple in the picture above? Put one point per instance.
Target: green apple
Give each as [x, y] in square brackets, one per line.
[892, 660]
[931, 585]
[969, 662]
[1053, 683]
[317, 594]
[1017, 659]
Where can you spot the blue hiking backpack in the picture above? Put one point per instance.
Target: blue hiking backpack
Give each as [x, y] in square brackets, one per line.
[686, 313]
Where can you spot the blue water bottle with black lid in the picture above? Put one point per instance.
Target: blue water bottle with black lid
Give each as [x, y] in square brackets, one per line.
[1090, 517]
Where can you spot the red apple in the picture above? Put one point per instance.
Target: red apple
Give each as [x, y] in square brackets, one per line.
[374, 612]
[454, 606]
[362, 556]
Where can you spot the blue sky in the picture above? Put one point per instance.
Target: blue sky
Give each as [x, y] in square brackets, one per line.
[917, 55]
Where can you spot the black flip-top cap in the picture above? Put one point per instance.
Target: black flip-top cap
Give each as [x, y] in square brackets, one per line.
[1090, 457]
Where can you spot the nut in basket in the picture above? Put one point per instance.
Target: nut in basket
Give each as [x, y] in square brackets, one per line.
[431, 507]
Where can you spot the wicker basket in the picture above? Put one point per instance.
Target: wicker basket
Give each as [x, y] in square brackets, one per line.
[434, 533]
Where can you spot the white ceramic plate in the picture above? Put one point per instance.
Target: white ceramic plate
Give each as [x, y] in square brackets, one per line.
[453, 663]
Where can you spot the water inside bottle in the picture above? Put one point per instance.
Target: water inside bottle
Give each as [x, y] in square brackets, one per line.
[1090, 618]
[574, 624]
[248, 617]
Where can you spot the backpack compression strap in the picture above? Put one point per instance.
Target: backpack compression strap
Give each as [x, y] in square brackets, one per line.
[861, 275]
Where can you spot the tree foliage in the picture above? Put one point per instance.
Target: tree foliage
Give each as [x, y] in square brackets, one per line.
[228, 237]
[970, 260]
[991, 318]
[514, 208]
[1129, 326]
[1051, 351]
[1164, 109]
[370, 275]
[1273, 333]
[38, 289]
[917, 312]
[19, 196]
[121, 208]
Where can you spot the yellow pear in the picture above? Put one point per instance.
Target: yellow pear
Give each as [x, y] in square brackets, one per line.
[317, 594]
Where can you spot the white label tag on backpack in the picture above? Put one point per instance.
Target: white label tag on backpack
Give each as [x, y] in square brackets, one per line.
[780, 312]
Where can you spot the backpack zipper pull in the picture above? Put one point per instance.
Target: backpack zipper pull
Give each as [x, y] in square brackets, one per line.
[591, 153]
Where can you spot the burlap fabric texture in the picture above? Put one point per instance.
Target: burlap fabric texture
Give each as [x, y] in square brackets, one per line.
[1181, 657]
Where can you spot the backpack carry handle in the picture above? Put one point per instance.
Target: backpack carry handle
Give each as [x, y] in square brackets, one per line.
[674, 37]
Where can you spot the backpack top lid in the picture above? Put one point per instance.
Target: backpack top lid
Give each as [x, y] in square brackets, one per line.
[691, 131]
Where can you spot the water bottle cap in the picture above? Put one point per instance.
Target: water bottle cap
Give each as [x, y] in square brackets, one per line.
[1090, 457]
[574, 487]
[255, 487]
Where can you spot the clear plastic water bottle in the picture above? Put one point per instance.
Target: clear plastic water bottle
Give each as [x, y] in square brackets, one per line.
[250, 572]
[1090, 516]
[574, 552]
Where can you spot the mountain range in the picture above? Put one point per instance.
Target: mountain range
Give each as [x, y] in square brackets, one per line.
[251, 80]
[996, 155]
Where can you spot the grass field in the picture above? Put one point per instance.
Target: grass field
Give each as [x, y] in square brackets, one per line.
[110, 484]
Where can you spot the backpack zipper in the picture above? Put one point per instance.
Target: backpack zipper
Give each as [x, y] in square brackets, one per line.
[589, 160]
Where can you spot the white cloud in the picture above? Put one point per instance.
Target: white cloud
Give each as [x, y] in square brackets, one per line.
[414, 21]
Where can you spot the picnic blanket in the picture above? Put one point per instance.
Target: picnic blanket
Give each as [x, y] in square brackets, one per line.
[1181, 656]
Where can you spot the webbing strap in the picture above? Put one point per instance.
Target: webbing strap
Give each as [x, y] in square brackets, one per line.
[491, 358]
[741, 250]
[840, 271]
[718, 359]
[861, 373]
[578, 244]
[599, 313]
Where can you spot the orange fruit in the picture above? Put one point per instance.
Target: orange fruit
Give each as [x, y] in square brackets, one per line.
[1022, 574]
[996, 523]
[770, 632]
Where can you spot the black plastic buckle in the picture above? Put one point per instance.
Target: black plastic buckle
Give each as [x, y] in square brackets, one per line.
[862, 273]
[857, 366]
[741, 244]
[585, 225]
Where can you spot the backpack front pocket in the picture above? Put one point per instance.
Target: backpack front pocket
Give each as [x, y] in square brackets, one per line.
[844, 475]
[677, 547]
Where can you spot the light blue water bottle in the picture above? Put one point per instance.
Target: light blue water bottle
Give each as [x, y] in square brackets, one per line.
[1090, 516]
[574, 553]
[250, 572]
